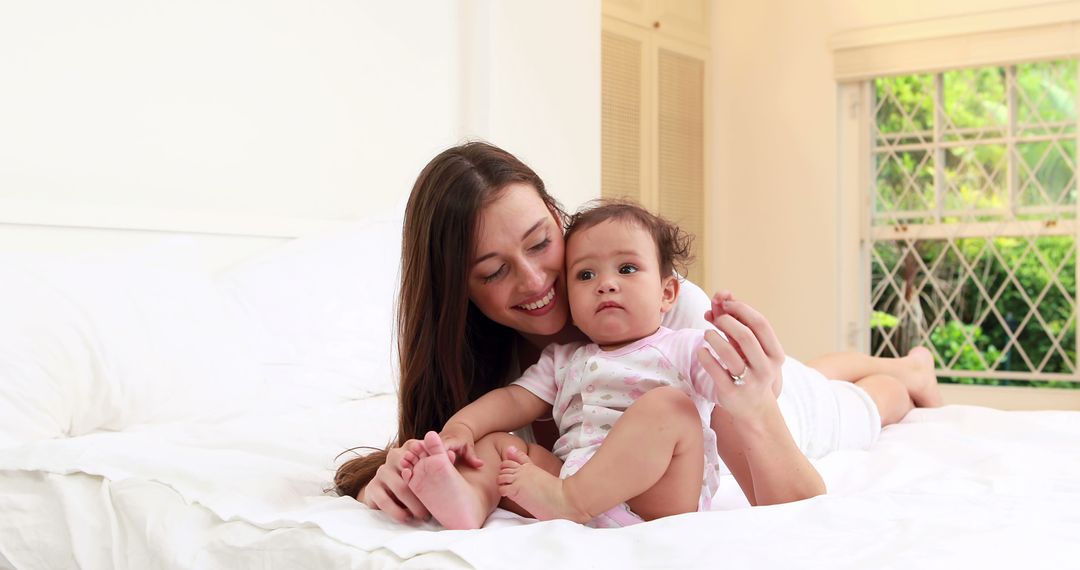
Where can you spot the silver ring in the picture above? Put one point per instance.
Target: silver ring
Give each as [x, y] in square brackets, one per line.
[737, 379]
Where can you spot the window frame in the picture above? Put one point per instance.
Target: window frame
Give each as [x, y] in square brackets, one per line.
[856, 186]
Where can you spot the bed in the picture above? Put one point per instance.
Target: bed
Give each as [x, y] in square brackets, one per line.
[155, 413]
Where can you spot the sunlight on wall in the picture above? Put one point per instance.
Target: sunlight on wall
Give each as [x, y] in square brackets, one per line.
[775, 161]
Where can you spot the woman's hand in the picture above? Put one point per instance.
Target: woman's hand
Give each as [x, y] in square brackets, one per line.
[760, 450]
[748, 374]
[389, 493]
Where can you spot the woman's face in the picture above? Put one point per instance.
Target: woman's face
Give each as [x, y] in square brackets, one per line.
[517, 278]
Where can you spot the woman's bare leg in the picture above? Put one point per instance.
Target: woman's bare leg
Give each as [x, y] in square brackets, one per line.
[915, 372]
[462, 497]
[891, 396]
[652, 459]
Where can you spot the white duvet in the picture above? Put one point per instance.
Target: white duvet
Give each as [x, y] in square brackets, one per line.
[266, 378]
[956, 487]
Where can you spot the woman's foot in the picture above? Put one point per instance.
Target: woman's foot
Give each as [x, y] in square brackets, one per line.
[446, 494]
[537, 491]
[919, 378]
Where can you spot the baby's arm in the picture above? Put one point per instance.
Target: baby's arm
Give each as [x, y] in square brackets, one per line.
[502, 409]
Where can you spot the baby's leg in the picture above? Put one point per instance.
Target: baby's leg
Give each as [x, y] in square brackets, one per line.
[653, 459]
[915, 372]
[461, 497]
[536, 455]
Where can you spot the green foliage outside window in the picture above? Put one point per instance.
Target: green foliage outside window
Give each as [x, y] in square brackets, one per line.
[958, 295]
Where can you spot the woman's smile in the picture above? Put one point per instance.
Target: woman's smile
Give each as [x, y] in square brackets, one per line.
[541, 305]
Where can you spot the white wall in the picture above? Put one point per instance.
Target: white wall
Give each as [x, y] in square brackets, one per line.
[284, 108]
[774, 153]
[774, 167]
[534, 88]
[290, 108]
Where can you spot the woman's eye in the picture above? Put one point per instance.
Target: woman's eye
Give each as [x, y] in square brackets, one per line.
[494, 276]
[585, 275]
[541, 246]
[627, 269]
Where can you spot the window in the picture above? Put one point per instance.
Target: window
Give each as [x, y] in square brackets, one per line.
[972, 242]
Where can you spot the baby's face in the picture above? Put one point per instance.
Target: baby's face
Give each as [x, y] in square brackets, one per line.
[616, 292]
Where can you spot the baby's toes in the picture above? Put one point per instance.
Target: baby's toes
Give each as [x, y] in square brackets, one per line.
[512, 453]
[508, 489]
[509, 464]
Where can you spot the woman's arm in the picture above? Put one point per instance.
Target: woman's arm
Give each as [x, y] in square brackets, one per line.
[752, 437]
[764, 459]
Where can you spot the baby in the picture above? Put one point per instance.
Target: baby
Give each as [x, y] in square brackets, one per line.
[631, 406]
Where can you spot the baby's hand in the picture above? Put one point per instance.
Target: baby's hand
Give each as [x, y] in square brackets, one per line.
[713, 314]
[460, 442]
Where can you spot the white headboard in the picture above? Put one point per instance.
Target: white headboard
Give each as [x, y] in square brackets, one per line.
[30, 227]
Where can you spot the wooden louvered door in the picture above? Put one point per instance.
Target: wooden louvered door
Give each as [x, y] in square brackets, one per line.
[654, 111]
[625, 116]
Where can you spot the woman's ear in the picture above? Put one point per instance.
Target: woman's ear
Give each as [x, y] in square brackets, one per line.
[669, 292]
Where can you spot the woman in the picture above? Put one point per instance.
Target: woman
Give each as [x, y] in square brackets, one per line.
[483, 292]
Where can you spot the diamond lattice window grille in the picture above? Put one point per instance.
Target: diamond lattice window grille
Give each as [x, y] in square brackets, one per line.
[974, 221]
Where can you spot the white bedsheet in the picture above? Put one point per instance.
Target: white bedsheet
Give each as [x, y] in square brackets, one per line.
[947, 488]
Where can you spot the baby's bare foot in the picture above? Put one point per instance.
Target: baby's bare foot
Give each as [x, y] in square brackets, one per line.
[414, 452]
[920, 379]
[539, 492]
[446, 494]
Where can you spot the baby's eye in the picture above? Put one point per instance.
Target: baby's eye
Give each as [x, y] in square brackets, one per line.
[627, 269]
[585, 275]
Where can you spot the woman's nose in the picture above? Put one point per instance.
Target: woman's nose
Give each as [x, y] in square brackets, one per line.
[532, 278]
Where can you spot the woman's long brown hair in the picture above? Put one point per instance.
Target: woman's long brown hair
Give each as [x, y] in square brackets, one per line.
[449, 352]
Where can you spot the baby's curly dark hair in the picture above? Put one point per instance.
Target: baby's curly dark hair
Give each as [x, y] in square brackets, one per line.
[673, 245]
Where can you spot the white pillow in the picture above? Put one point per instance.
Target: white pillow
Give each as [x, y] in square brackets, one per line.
[326, 306]
[107, 341]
